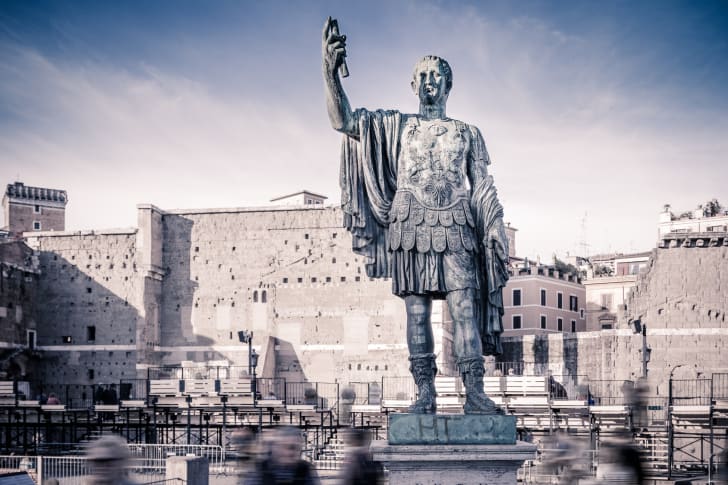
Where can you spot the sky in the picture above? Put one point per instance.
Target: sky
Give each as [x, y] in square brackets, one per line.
[595, 114]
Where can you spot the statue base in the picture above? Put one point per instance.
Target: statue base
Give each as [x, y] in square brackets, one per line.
[450, 449]
[451, 429]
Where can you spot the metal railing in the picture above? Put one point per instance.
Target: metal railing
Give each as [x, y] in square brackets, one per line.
[152, 457]
[690, 392]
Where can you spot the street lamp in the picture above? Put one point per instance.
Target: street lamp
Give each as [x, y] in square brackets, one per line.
[639, 327]
[246, 337]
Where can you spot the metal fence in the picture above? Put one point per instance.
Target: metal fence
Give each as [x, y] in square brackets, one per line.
[398, 388]
[152, 458]
[720, 386]
[690, 392]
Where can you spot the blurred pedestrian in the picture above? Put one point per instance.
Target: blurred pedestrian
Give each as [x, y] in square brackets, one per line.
[53, 399]
[108, 457]
[282, 463]
[360, 468]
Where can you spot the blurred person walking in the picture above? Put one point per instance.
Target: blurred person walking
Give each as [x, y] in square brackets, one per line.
[360, 468]
[108, 457]
[283, 464]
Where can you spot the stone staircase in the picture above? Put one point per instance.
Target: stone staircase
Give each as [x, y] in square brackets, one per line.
[333, 455]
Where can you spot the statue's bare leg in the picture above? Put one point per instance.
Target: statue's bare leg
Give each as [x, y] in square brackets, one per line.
[468, 350]
[421, 346]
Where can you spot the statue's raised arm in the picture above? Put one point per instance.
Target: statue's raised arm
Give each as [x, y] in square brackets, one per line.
[334, 53]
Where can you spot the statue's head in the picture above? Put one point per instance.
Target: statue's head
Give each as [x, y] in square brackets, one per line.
[432, 79]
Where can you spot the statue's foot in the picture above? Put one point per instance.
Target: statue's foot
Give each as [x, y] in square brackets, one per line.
[480, 404]
[423, 406]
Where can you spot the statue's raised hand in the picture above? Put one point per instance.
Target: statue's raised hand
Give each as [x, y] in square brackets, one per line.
[334, 48]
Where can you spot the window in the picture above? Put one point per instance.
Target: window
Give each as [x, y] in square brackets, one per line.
[573, 325]
[314, 279]
[516, 322]
[299, 280]
[581, 313]
[543, 321]
[560, 324]
[559, 300]
[606, 326]
[573, 303]
[90, 373]
[36, 209]
[31, 339]
[607, 302]
[66, 339]
[543, 297]
[91, 333]
[517, 297]
[36, 225]
[255, 296]
[285, 280]
[264, 297]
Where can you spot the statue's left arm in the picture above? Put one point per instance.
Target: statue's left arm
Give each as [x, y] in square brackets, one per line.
[484, 199]
[493, 265]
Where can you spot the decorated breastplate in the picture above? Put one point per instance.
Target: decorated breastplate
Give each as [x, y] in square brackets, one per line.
[432, 161]
[431, 209]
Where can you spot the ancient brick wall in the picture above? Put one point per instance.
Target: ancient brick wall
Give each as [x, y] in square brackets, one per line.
[287, 274]
[21, 218]
[681, 299]
[88, 310]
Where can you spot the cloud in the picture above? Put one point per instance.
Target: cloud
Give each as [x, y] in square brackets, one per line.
[575, 124]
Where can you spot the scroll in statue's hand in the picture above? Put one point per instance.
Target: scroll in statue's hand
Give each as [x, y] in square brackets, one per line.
[334, 48]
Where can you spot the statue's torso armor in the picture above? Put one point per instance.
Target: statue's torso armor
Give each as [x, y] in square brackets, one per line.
[431, 209]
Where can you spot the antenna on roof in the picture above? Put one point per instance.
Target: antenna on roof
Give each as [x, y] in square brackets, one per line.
[583, 245]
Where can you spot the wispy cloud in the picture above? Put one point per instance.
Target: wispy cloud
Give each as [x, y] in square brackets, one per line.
[578, 121]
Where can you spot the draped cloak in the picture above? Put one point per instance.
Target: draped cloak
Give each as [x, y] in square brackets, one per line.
[368, 180]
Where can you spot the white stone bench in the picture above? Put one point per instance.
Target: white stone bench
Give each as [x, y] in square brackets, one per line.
[133, 403]
[570, 404]
[164, 387]
[610, 410]
[693, 411]
[299, 408]
[231, 387]
[396, 403]
[526, 385]
[28, 403]
[106, 408]
[365, 408]
[53, 407]
[199, 387]
[206, 401]
[7, 393]
[447, 386]
[270, 403]
[240, 400]
[528, 402]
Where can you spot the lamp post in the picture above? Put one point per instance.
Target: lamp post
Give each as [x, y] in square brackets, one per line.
[246, 337]
[639, 327]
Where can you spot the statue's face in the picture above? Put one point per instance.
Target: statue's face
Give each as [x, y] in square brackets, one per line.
[430, 83]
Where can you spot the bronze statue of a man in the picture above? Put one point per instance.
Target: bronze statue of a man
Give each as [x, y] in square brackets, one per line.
[422, 208]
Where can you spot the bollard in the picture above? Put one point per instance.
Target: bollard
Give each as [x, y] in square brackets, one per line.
[194, 470]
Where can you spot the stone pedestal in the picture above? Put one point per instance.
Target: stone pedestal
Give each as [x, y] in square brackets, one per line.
[190, 469]
[452, 449]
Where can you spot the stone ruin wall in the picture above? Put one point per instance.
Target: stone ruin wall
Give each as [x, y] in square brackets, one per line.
[682, 299]
[88, 279]
[322, 319]
[181, 286]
